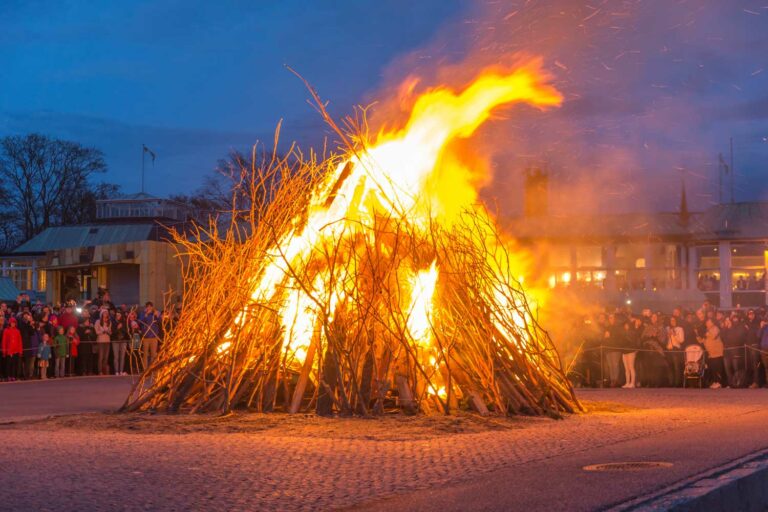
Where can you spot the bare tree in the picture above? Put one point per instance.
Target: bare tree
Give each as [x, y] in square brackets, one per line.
[235, 183]
[82, 202]
[45, 180]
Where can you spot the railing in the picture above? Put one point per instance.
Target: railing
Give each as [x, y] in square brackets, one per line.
[603, 348]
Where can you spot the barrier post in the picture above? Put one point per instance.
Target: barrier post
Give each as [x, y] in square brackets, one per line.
[746, 362]
[602, 376]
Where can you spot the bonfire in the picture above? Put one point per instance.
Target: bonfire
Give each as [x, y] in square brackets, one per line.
[366, 282]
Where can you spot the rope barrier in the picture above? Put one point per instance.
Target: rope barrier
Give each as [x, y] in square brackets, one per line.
[628, 349]
[81, 343]
[757, 349]
[632, 349]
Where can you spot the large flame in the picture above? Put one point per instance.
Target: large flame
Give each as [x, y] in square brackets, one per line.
[420, 313]
[408, 173]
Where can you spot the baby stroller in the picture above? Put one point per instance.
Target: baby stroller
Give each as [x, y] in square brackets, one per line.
[695, 364]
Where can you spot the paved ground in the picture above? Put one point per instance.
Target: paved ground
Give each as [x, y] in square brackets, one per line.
[37, 398]
[533, 465]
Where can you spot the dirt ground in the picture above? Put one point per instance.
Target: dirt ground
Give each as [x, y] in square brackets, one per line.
[389, 427]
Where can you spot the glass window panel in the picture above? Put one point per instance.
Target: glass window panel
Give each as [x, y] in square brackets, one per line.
[748, 279]
[560, 257]
[589, 256]
[708, 281]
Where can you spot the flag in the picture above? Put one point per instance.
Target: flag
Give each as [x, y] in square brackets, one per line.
[151, 153]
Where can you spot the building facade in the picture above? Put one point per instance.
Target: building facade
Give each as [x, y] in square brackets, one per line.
[127, 251]
[656, 260]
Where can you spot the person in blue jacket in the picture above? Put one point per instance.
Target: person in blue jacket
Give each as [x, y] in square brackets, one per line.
[44, 355]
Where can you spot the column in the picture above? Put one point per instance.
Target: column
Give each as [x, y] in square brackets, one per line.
[726, 287]
[693, 268]
[34, 275]
[53, 289]
[574, 265]
[146, 274]
[648, 266]
[609, 263]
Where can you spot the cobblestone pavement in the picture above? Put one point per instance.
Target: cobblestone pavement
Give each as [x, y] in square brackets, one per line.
[76, 469]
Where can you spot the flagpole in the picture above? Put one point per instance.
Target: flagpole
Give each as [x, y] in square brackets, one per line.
[143, 151]
[719, 176]
[733, 171]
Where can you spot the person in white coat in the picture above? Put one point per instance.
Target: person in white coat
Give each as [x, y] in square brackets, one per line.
[675, 356]
[103, 328]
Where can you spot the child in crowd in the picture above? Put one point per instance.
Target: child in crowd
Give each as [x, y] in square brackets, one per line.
[74, 341]
[44, 355]
[60, 345]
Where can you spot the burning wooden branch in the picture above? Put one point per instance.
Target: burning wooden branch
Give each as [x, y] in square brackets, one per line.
[353, 291]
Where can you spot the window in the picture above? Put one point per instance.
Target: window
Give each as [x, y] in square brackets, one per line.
[560, 257]
[21, 278]
[708, 280]
[589, 256]
[748, 267]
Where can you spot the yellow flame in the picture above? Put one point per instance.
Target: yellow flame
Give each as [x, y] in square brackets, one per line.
[298, 321]
[410, 173]
[420, 313]
[441, 392]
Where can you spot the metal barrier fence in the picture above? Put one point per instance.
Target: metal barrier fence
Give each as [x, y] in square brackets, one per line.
[603, 348]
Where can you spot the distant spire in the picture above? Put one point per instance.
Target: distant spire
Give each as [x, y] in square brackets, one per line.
[685, 215]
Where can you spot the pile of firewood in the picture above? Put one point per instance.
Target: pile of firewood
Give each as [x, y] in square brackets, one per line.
[478, 345]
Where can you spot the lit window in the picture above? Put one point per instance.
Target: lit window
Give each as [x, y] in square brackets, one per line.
[42, 280]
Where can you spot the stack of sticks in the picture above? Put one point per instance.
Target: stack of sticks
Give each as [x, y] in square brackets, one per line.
[481, 347]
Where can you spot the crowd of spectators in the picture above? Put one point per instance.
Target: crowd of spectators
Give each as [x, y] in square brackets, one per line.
[753, 282]
[41, 341]
[708, 282]
[650, 348]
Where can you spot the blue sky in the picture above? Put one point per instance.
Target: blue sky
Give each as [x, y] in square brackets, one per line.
[652, 89]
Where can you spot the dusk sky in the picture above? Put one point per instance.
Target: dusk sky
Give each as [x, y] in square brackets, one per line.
[652, 89]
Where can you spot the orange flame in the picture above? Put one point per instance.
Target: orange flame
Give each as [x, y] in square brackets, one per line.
[408, 173]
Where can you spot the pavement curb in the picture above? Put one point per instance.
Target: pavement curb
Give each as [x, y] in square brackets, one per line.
[739, 485]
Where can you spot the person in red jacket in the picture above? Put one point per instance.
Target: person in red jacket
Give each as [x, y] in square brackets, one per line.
[68, 318]
[73, 340]
[12, 350]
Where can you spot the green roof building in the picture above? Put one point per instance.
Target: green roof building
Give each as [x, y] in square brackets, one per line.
[127, 251]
